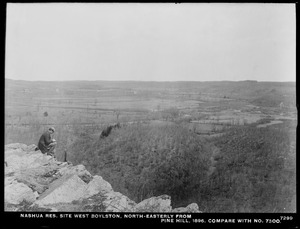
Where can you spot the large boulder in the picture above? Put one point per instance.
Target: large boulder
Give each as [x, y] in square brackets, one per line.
[117, 202]
[9, 180]
[63, 190]
[20, 159]
[78, 170]
[155, 204]
[38, 179]
[193, 207]
[16, 192]
[14, 146]
[98, 184]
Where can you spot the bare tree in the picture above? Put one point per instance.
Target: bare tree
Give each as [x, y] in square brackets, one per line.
[117, 113]
[46, 116]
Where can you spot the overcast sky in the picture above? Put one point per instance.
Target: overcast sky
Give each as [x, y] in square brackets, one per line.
[152, 42]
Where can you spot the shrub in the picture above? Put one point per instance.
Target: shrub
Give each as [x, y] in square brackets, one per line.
[256, 170]
[144, 160]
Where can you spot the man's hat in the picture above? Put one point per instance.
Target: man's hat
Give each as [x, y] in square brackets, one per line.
[52, 128]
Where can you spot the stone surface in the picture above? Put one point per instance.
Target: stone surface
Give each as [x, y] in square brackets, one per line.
[38, 178]
[98, 184]
[36, 194]
[9, 180]
[193, 207]
[17, 192]
[31, 147]
[155, 204]
[79, 170]
[15, 146]
[17, 159]
[63, 190]
[117, 202]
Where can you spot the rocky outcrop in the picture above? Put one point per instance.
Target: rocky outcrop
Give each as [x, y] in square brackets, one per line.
[17, 192]
[190, 208]
[64, 190]
[43, 183]
[79, 170]
[155, 204]
[98, 184]
[117, 202]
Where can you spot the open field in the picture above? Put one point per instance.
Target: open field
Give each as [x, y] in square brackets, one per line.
[204, 107]
[98, 102]
[170, 133]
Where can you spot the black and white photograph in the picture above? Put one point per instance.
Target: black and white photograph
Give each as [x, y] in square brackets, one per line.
[150, 110]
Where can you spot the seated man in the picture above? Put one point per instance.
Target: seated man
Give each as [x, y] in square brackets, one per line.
[47, 143]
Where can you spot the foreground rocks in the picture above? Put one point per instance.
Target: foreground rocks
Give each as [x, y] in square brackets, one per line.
[17, 192]
[161, 203]
[37, 182]
[64, 190]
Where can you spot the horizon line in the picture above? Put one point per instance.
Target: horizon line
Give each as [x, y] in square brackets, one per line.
[152, 81]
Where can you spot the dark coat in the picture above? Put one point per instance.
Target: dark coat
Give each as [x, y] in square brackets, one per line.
[106, 132]
[44, 142]
[108, 129]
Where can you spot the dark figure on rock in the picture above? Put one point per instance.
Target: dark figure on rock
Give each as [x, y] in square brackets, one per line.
[47, 143]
